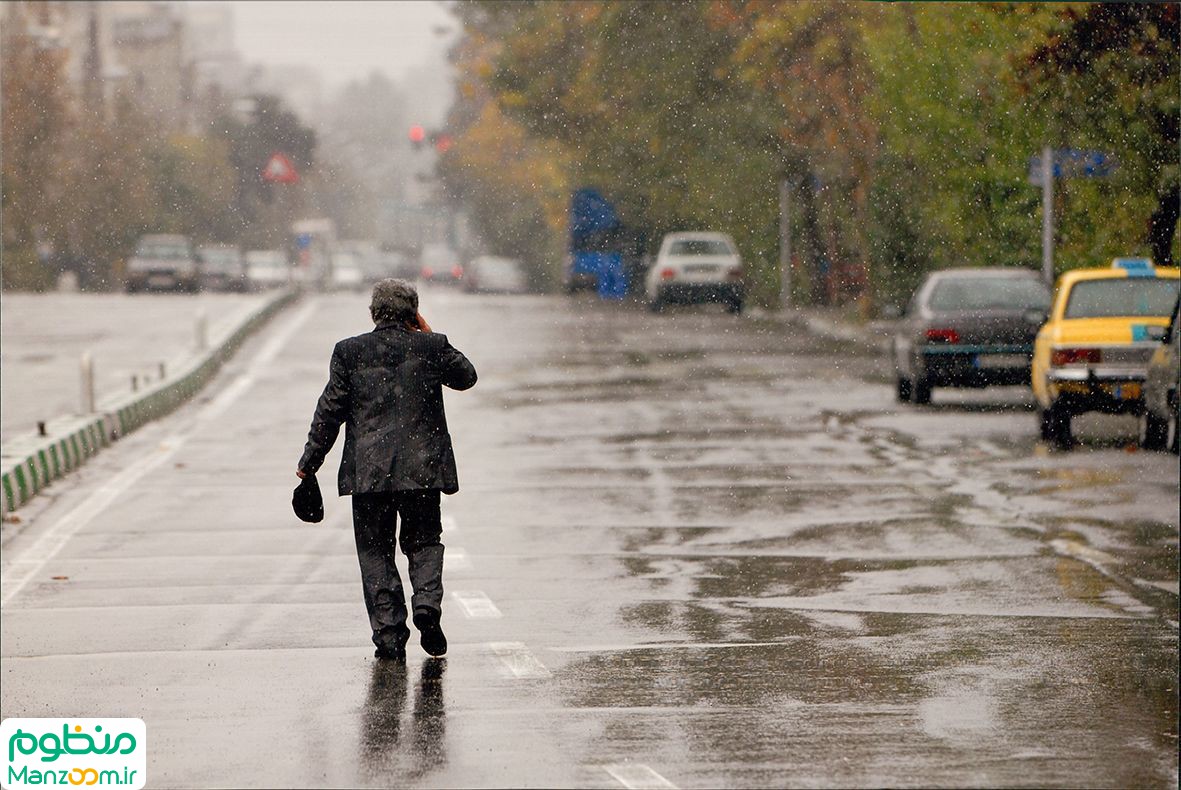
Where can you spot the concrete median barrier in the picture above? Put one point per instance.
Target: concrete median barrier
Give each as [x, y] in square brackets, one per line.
[30, 462]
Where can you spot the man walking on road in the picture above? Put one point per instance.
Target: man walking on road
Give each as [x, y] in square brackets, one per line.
[386, 387]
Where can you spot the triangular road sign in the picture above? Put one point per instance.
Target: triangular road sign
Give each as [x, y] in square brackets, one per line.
[279, 170]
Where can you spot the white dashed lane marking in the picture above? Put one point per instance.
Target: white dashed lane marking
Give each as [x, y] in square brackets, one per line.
[475, 603]
[517, 659]
[637, 776]
[17, 573]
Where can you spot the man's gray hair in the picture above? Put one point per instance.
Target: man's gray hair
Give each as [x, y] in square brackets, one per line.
[393, 301]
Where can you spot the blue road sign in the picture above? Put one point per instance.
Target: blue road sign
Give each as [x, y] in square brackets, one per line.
[1073, 163]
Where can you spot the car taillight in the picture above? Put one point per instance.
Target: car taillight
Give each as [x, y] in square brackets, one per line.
[1075, 356]
[427, 272]
[668, 274]
[735, 273]
[943, 336]
[457, 271]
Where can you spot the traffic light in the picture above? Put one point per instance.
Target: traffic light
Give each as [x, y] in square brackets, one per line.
[417, 135]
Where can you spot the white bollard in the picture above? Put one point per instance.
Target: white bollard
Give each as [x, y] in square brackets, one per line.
[202, 330]
[87, 366]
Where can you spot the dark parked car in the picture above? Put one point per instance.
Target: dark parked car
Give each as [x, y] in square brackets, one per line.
[968, 328]
[439, 263]
[1158, 422]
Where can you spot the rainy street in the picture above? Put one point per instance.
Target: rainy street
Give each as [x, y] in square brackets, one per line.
[689, 550]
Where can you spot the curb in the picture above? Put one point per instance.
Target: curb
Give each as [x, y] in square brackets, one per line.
[29, 463]
[871, 338]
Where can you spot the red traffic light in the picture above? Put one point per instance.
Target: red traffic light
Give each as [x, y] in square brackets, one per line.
[443, 143]
[417, 134]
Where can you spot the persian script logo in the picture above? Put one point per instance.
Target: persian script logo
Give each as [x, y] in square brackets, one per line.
[78, 752]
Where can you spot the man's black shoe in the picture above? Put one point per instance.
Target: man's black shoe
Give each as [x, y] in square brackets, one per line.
[431, 633]
[397, 653]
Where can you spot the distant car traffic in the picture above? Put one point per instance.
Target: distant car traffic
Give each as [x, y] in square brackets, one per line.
[696, 267]
[399, 265]
[163, 262]
[490, 274]
[439, 263]
[267, 269]
[366, 255]
[1158, 422]
[968, 328]
[221, 268]
[346, 272]
[1092, 353]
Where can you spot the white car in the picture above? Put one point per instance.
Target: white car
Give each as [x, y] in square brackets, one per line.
[490, 274]
[696, 267]
[267, 269]
[346, 272]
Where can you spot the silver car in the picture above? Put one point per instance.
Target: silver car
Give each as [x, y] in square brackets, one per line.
[162, 261]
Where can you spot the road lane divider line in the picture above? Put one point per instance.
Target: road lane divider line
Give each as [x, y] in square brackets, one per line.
[283, 336]
[18, 573]
[476, 604]
[30, 562]
[456, 559]
[226, 398]
[518, 660]
[637, 776]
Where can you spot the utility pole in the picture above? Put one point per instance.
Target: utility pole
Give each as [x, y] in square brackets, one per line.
[784, 243]
[1048, 214]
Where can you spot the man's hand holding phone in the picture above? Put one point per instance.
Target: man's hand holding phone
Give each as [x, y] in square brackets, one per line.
[420, 323]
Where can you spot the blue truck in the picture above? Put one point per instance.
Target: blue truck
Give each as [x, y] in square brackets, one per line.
[596, 247]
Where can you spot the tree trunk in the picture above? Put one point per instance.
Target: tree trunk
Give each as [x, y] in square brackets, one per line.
[1162, 225]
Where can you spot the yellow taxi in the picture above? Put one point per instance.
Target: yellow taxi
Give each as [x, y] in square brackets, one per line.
[1092, 352]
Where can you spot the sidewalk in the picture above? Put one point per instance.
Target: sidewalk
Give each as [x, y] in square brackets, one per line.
[841, 324]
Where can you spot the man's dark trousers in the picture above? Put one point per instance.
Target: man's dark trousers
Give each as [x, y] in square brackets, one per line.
[418, 535]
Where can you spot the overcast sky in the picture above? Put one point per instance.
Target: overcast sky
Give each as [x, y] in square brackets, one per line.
[342, 40]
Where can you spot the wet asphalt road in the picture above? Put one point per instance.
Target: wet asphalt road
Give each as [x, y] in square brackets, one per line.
[689, 550]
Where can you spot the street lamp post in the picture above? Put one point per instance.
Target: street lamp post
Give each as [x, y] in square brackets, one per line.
[785, 243]
[1048, 214]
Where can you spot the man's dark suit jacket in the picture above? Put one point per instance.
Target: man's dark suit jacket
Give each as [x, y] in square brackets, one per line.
[386, 387]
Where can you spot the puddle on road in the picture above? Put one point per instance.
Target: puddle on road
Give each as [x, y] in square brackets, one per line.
[1010, 700]
[1073, 478]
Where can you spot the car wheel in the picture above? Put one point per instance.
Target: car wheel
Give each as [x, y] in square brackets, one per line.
[904, 390]
[734, 306]
[1055, 425]
[1154, 432]
[656, 305]
[922, 392]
